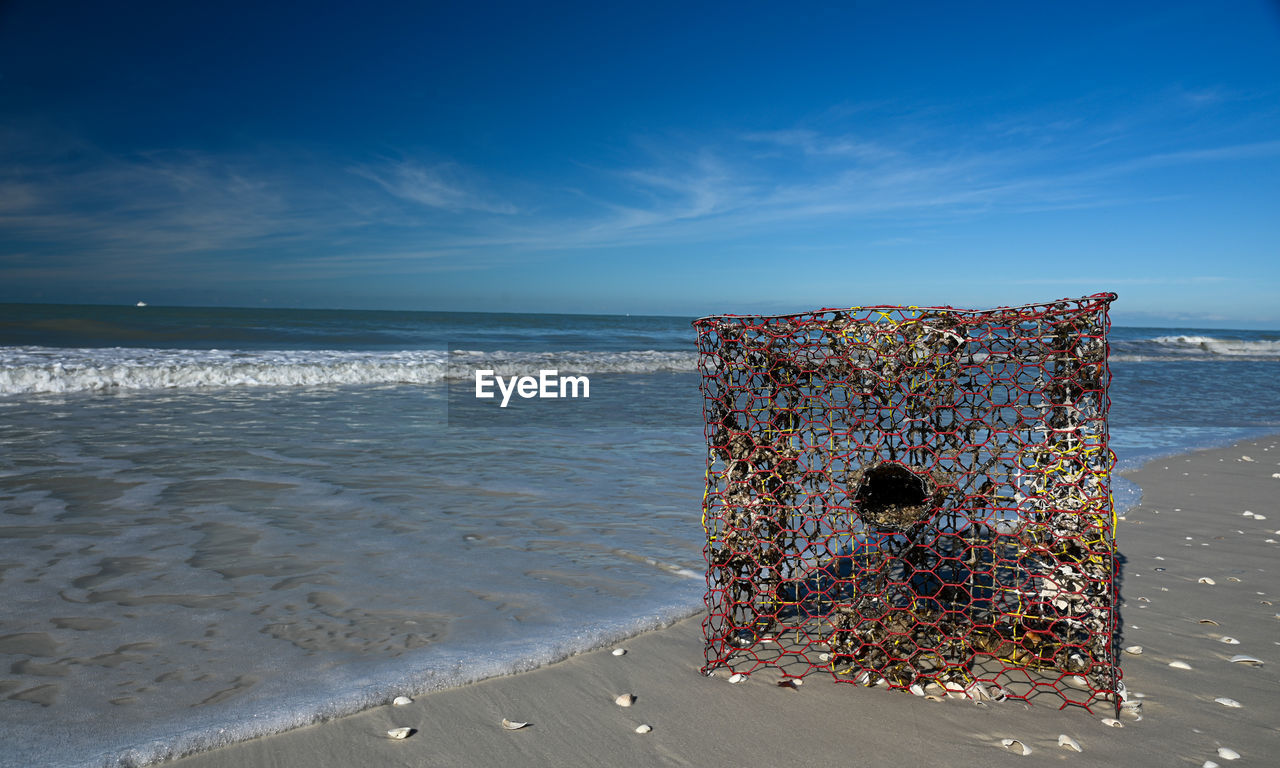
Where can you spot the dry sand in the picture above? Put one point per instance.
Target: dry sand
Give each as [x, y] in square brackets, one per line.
[1192, 516]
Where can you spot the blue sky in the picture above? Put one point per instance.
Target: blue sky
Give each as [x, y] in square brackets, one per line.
[661, 158]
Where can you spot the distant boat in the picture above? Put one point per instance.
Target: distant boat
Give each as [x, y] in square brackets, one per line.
[142, 304]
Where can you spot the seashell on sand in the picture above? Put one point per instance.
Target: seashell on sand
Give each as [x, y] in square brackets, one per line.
[645, 728]
[401, 701]
[1241, 658]
[1227, 753]
[1015, 746]
[1135, 650]
[1233, 578]
[1179, 665]
[916, 689]
[1228, 640]
[1066, 742]
[619, 651]
[625, 700]
[1229, 703]
[1111, 721]
[1209, 764]
[1207, 580]
[510, 726]
[1207, 621]
[400, 733]
[737, 678]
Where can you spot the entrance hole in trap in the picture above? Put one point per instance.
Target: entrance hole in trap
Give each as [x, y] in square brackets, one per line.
[893, 497]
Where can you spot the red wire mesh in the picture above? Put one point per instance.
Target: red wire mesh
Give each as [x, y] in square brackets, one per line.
[915, 498]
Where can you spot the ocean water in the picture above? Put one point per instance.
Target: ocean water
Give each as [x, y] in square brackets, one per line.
[219, 523]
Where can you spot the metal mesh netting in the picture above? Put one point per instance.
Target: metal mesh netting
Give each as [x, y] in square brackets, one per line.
[912, 497]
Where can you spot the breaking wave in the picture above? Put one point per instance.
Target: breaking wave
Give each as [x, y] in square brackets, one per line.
[37, 370]
[1190, 347]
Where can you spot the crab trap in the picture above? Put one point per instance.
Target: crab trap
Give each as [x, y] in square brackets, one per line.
[915, 498]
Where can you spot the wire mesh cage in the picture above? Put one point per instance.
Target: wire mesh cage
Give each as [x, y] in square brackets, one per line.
[915, 498]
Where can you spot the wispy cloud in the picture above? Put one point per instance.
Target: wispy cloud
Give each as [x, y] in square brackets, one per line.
[69, 205]
[193, 213]
[444, 186]
[806, 177]
[1247, 151]
[1114, 280]
[815, 144]
[173, 202]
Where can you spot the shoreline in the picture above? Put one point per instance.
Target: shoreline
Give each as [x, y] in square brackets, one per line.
[705, 721]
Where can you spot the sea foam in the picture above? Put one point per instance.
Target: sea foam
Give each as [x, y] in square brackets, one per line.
[1194, 346]
[41, 370]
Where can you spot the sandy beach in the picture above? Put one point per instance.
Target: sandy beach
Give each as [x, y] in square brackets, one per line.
[1211, 514]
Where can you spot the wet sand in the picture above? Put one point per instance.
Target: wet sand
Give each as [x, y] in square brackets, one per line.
[1192, 524]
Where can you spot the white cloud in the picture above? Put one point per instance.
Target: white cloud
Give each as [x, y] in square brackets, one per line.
[309, 211]
[815, 144]
[445, 186]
